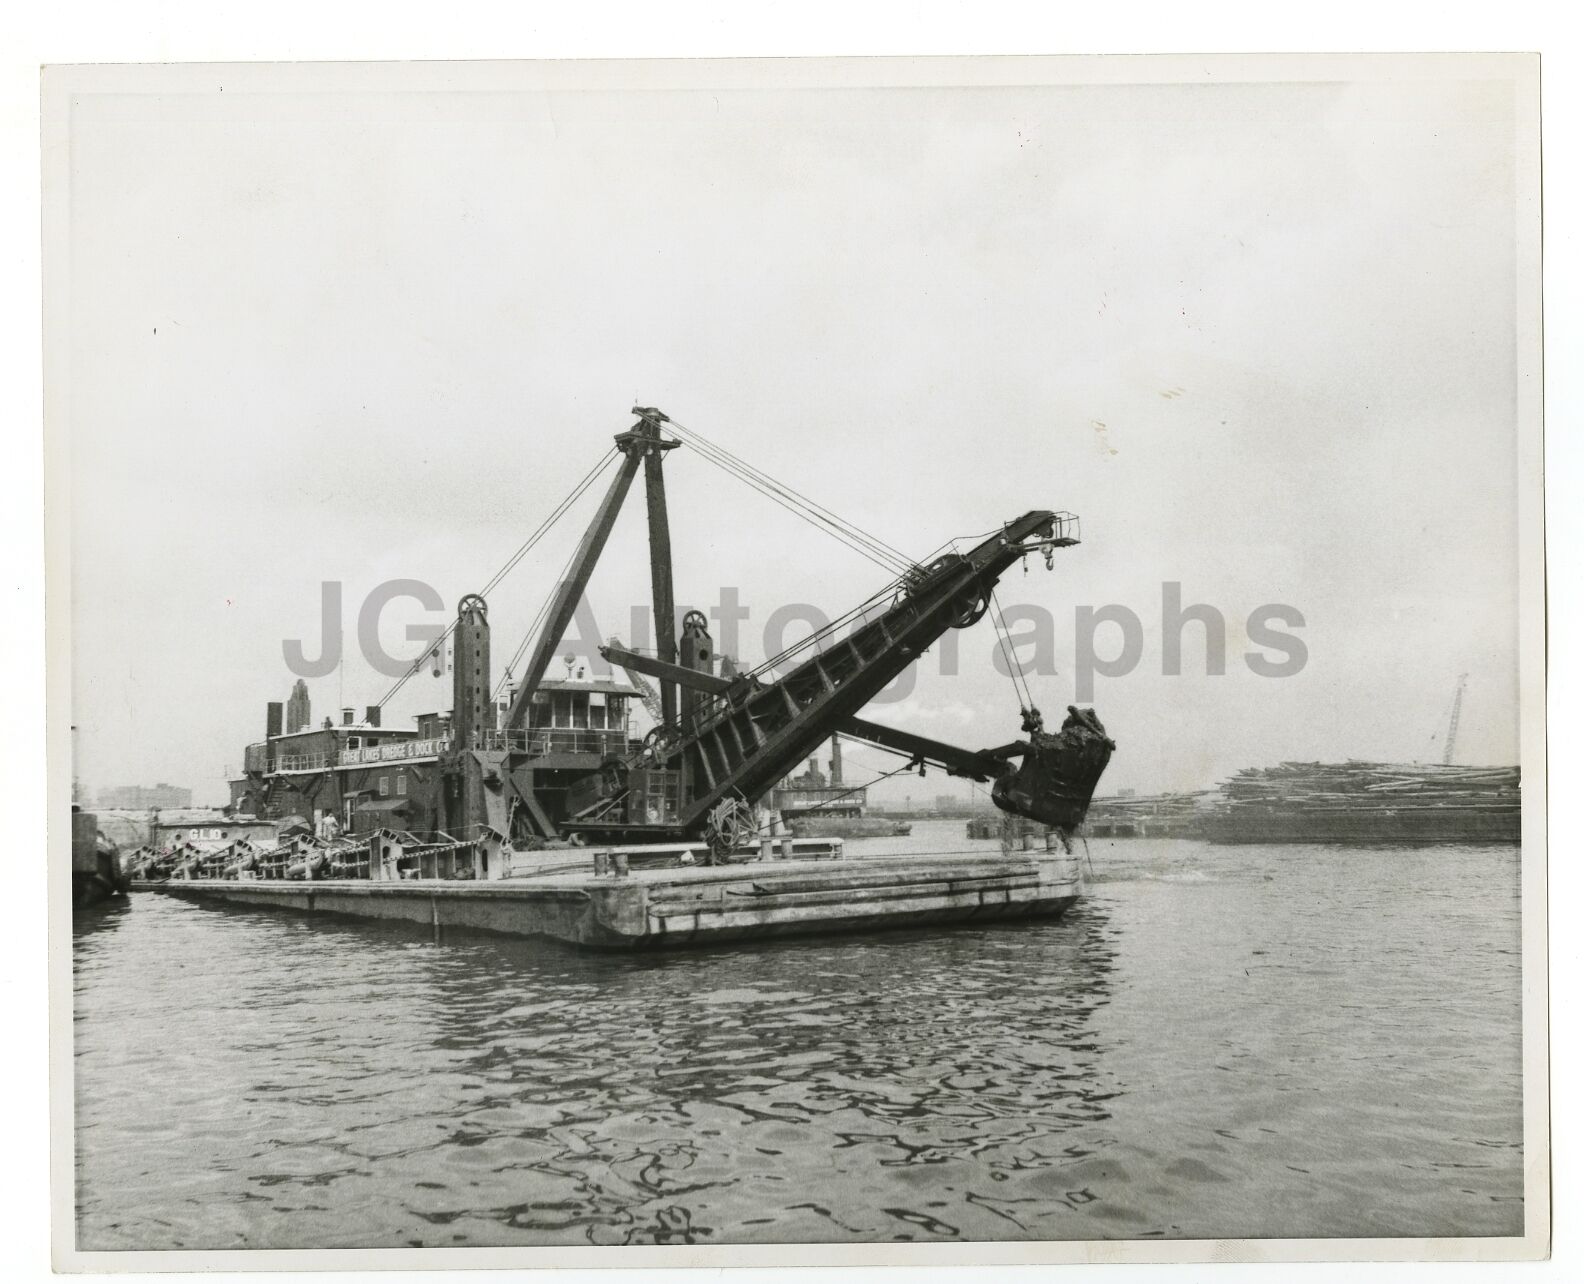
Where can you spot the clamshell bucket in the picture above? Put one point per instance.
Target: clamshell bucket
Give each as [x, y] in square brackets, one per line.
[1059, 772]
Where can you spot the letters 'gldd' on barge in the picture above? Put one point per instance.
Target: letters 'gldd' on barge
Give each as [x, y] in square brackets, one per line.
[528, 814]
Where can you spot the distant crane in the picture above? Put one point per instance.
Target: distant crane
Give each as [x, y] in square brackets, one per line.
[1452, 725]
[646, 688]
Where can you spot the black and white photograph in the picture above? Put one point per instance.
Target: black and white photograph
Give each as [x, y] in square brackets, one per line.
[742, 659]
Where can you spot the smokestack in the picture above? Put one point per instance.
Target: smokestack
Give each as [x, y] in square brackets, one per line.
[274, 711]
[371, 715]
[347, 716]
[836, 760]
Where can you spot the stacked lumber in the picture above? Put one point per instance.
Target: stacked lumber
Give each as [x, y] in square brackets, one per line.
[1354, 786]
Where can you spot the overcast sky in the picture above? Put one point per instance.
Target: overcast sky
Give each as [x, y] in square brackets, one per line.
[1260, 337]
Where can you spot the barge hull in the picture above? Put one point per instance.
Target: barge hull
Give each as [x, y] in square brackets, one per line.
[672, 908]
[1432, 828]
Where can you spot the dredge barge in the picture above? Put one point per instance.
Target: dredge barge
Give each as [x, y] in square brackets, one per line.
[531, 808]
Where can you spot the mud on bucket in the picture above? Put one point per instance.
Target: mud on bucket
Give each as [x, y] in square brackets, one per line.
[1059, 772]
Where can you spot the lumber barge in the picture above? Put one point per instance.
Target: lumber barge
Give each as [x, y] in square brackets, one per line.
[1368, 802]
[658, 908]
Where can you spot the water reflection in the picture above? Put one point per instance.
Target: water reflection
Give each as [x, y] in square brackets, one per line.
[647, 1098]
[101, 917]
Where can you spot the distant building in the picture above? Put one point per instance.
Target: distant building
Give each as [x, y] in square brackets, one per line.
[299, 713]
[145, 797]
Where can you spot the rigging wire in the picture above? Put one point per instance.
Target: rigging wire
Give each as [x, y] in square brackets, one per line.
[906, 766]
[544, 526]
[820, 634]
[846, 532]
[794, 501]
[849, 533]
[700, 440]
[1004, 639]
[534, 624]
[1003, 635]
[884, 562]
[843, 530]
[716, 706]
[494, 581]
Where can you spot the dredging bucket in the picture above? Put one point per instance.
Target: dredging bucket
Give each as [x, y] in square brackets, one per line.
[1059, 773]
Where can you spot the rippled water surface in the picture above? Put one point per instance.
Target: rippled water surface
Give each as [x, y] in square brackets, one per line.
[1219, 1042]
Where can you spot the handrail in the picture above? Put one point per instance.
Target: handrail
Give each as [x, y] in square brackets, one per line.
[537, 741]
[540, 741]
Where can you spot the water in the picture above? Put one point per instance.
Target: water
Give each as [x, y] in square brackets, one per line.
[1219, 1042]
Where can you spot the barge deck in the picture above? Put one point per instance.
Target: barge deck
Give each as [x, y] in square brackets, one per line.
[671, 907]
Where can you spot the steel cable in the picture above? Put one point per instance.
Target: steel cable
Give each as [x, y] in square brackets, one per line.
[495, 580]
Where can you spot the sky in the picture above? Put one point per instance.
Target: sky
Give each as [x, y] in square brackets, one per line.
[1259, 337]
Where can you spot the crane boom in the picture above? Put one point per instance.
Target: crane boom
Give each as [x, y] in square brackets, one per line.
[745, 733]
[981, 765]
[745, 745]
